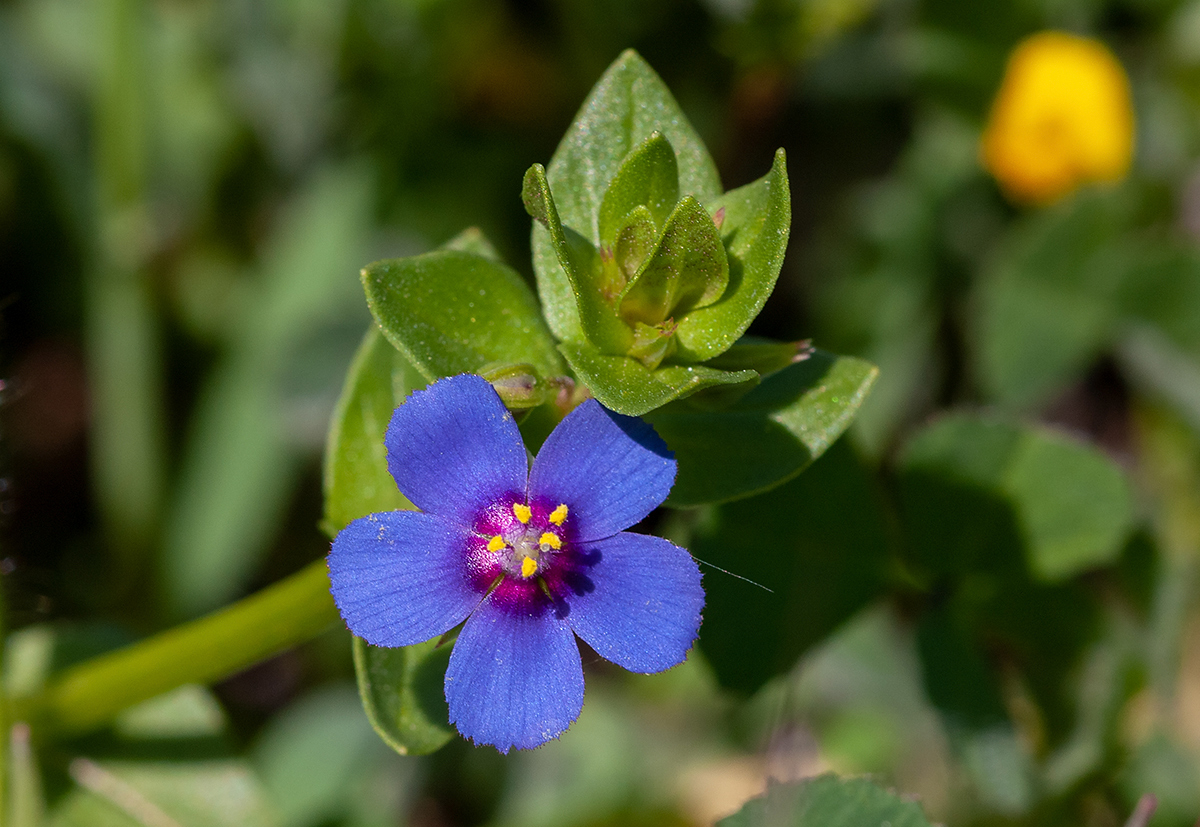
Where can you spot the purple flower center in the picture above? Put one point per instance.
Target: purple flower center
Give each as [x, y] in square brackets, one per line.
[518, 541]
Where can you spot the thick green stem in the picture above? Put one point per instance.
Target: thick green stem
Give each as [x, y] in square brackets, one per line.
[91, 694]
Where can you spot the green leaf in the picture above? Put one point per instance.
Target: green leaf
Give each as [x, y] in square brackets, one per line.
[357, 481]
[769, 435]
[827, 801]
[580, 261]
[402, 693]
[819, 544]
[223, 793]
[625, 108]
[687, 269]
[472, 240]
[758, 219]
[453, 312]
[309, 755]
[1047, 305]
[761, 355]
[648, 177]
[625, 385]
[1071, 504]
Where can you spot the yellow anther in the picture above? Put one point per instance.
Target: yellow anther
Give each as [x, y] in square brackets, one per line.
[559, 515]
[522, 511]
[528, 567]
[551, 540]
[496, 543]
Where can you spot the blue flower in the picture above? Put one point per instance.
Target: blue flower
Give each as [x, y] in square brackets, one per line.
[529, 557]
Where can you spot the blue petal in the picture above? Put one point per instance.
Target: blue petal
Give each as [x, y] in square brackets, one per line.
[636, 600]
[515, 677]
[400, 577]
[610, 470]
[454, 448]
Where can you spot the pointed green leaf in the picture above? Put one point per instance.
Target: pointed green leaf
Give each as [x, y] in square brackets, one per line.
[755, 229]
[635, 241]
[687, 269]
[472, 240]
[769, 435]
[625, 385]
[452, 312]
[580, 261]
[761, 355]
[828, 801]
[627, 105]
[357, 481]
[648, 177]
[402, 694]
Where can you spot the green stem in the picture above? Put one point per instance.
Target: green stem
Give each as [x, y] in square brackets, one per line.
[122, 338]
[91, 694]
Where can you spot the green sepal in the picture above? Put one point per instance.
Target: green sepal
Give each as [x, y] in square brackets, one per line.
[687, 269]
[761, 355]
[625, 385]
[625, 108]
[452, 312]
[648, 177]
[580, 261]
[402, 694]
[755, 228]
[769, 435]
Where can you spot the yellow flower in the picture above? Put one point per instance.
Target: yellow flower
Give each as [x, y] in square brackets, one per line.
[1063, 117]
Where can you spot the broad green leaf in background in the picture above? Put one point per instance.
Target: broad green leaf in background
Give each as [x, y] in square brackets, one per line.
[402, 694]
[625, 108]
[182, 782]
[1160, 286]
[828, 801]
[1047, 304]
[1170, 772]
[309, 755]
[766, 437]
[190, 794]
[964, 687]
[819, 544]
[1070, 504]
[625, 385]
[453, 312]
[755, 230]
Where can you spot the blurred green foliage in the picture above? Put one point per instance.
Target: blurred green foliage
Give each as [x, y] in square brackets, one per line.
[985, 595]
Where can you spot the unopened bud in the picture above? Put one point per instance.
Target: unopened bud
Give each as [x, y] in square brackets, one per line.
[519, 386]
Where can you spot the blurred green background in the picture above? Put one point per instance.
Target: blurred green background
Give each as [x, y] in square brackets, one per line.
[985, 595]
